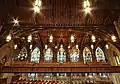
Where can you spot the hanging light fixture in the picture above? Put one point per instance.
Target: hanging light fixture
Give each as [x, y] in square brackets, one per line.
[29, 38]
[61, 46]
[8, 38]
[46, 46]
[72, 38]
[36, 9]
[30, 46]
[37, 6]
[92, 46]
[38, 3]
[87, 10]
[56, 47]
[15, 46]
[107, 46]
[77, 47]
[113, 37]
[69, 47]
[51, 38]
[86, 6]
[16, 22]
[93, 38]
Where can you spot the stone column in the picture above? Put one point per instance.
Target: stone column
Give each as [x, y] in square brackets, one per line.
[68, 56]
[42, 55]
[94, 59]
[81, 56]
[55, 55]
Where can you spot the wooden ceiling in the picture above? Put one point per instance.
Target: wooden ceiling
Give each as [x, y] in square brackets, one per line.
[59, 16]
[60, 12]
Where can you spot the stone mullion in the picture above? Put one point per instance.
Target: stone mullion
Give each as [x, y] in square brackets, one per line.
[54, 55]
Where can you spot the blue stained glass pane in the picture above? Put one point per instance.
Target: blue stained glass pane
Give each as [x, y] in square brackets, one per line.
[61, 55]
[48, 55]
[35, 55]
[87, 55]
[99, 54]
[74, 55]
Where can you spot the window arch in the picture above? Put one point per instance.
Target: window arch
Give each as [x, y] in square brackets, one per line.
[61, 55]
[74, 54]
[35, 55]
[48, 55]
[22, 56]
[87, 55]
[99, 54]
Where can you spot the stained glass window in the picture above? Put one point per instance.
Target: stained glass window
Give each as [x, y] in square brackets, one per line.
[61, 74]
[61, 55]
[90, 75]
[47, 75]
[48, 55]
[103, 75]
[22, 56]
[75, 75]
[35, 55]
[32, 76]
[87, 55]
[99, 55]
[74, 54]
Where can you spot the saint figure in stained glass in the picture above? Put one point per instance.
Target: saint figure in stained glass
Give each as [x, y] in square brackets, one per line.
[48, 55]
[74, 54]
[22, 56]
[87, 55]
[35, 55]
[32, 76]
[99, 55]
[61, 55]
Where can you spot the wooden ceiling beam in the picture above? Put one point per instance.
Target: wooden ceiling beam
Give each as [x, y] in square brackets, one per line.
[61, 68]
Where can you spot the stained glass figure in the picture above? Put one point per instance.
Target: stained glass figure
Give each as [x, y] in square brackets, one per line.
[48, 55]
[99, 54]
[87, 55]
[35, 55]
[74, 54]
[61, 55]
[22, 56]
[32, 76]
